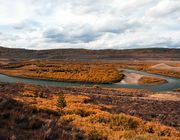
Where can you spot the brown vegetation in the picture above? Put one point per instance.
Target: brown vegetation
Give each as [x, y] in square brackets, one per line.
[177, 90]
[90, 55]
[64, 71]
[147, 67]
[100, 72]
[147, 80]
[175, 74]
[83, 118]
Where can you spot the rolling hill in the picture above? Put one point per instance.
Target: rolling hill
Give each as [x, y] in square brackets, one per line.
[83, 54]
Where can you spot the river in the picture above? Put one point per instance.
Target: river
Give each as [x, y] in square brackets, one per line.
[173, 83]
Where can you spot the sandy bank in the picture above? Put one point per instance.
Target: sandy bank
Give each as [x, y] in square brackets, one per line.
[131, 78]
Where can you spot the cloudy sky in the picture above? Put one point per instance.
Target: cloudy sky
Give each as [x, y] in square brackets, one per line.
[92, 24]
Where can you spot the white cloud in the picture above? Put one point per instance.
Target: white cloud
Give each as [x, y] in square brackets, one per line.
[15, 11]
[164, 8]
[90, 24]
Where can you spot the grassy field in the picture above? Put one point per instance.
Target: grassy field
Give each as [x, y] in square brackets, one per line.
[44, 112]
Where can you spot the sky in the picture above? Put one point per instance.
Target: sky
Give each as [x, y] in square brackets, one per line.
[90, 24]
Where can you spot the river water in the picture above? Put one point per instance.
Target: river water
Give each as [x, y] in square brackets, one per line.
[173, 83]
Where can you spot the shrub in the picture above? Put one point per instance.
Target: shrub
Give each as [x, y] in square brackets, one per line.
[41, 94]
[83, 113]
[53, 112]
[97, 86]
[93, 134]
[124, 122]
[61, 102]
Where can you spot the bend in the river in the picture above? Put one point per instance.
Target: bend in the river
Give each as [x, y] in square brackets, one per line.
[172, 83]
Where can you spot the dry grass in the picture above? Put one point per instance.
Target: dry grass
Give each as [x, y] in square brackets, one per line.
[147, 80]
[164, 72]
[98, 124]
[63, 71]
[96, 72]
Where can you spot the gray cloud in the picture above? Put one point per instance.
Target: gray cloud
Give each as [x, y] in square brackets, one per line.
[55, 35]
[89, 33]
[27, 25]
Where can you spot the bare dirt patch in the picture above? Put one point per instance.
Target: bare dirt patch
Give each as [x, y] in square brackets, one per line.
[171, 96]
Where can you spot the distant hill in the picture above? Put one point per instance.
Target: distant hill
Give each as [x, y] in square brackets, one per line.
[83, 54]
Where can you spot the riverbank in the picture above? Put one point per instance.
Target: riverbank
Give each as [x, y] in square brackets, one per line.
[141, 79]
[70, 73]
[171, 85]
[131, 78]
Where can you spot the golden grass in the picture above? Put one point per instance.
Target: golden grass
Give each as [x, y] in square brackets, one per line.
[98, 124]
[96, 72]
[63, 71]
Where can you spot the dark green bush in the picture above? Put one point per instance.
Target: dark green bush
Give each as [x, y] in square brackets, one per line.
[61, 102]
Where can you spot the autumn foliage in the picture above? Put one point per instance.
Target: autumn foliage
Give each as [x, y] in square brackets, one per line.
[92, 119]
[65, 71]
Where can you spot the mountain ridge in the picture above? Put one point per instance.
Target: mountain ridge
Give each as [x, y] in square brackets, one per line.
[85, 54]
